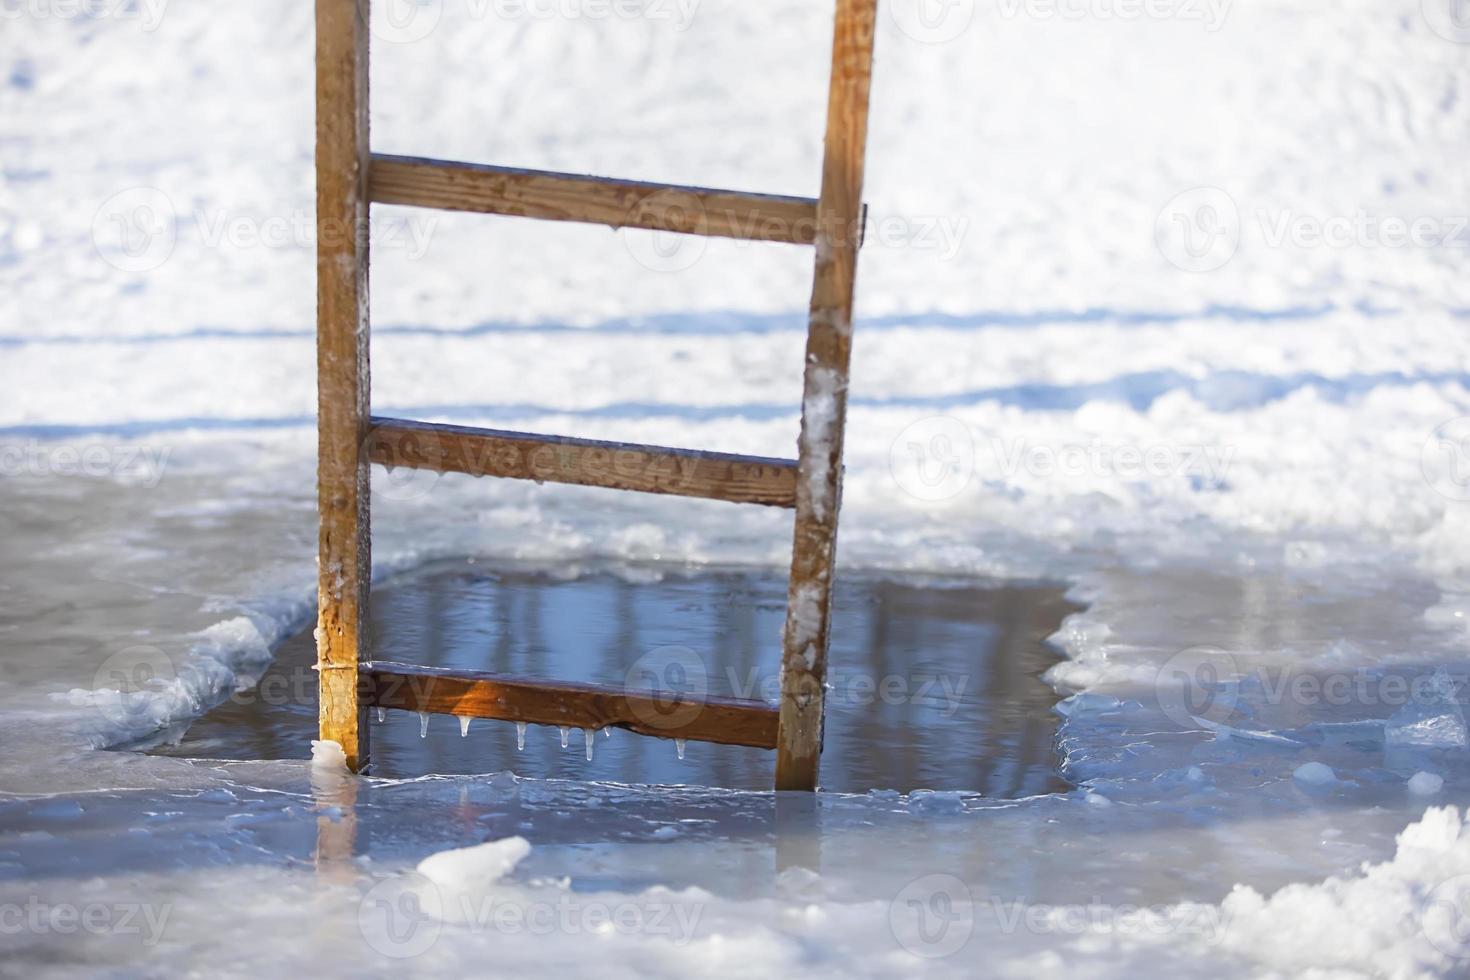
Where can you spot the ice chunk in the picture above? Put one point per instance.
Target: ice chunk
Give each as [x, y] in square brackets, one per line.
[1432, 719]
[328, 755]
[1425, 784]
[1088, 704]
[467, 868]
[1314, 774]
[1223, 731]
[937, 801]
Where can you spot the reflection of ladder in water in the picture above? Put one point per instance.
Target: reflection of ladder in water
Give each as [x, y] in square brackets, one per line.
[350, 177]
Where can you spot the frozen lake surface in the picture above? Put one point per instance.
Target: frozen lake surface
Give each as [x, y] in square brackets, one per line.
[1139, 313]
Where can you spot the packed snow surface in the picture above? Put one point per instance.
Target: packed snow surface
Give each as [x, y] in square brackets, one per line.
[1164, 301]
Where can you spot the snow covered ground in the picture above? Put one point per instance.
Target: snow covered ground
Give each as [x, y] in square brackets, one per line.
[1164, 300]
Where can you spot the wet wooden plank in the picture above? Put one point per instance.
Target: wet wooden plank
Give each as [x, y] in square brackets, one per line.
[473, 694]
[584, 462]
[486, 189]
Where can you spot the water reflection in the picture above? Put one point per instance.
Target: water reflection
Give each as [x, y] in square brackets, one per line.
[933, 684]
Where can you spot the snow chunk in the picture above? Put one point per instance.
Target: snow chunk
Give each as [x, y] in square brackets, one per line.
[1315, 774]
[1405, 917]
[1425, 784]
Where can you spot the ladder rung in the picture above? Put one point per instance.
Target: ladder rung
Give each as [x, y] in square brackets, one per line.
[596, 200]
[585, 462]
[474, 694]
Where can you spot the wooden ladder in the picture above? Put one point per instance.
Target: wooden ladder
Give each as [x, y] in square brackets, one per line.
[350, 178]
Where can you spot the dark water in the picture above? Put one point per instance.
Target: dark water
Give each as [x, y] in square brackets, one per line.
[933, 684]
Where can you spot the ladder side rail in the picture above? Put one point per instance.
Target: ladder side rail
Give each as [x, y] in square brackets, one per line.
[824, 401]
[344, 554]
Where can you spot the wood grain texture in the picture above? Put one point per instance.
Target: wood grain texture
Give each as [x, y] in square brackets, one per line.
[584, 462]
[474, 694]
[595, 200]
[824, 401]
[344, 544]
